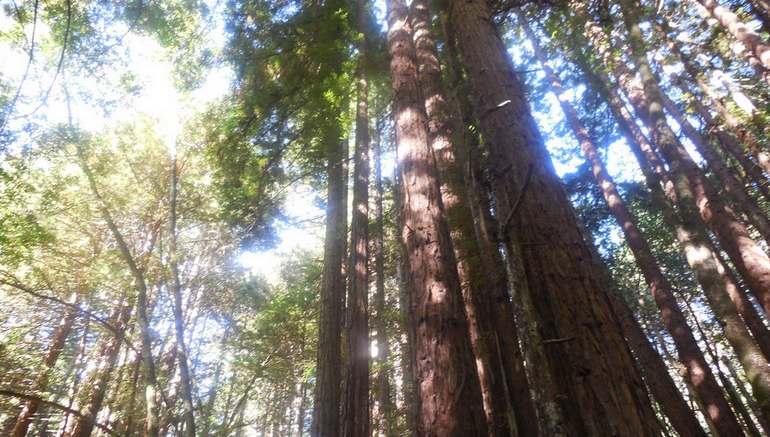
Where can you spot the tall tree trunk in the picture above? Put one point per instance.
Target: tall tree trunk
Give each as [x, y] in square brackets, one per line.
[711, 270]
[732, 188]
[479, 294]
[488, 268]
[449, 393]
[661, 384]
[735, 400]
[689, 353]
[729, 142]
[77, 371]
[58, 340]
[326, 405]
[181, 349]
[95, 385]
[408, 354]
[142, 316]
[758, 54]
[357, 390]
[384, 399]
[587, 356]
[690, 185]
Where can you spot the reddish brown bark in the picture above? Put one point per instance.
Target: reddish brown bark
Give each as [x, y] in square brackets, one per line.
[478, 292]
[540, 229]
[693, 190]
[449, 393]
[689, 352]
[758, 52]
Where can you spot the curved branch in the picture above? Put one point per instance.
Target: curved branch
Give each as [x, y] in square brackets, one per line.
[30, 60]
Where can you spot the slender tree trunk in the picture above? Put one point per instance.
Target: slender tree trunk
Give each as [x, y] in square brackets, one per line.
[58, 340]
[95, 385]
[384, 399]
[151, 389]
[326, 405]
[735, 400]
[181, 349]
[690, 233]
[734, 189]
[587, 356]
[758, 53]
[690, 184]
[729, 142]
[449, 393]
[77, 370]
[727, 361]
[689, 353]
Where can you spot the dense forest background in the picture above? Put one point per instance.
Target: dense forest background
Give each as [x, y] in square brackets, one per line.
[389, 218]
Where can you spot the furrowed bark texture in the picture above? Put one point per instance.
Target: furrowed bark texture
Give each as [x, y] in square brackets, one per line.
[660, 288]
[478, 292]
[577, 321]
[448, 388]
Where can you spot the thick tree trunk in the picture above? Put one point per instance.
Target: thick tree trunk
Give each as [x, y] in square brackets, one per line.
[408, 356]
[689, 353]
[326, 405]
[95, 385]
[478, 292]
[540, 229]
[758, 53]
[661, 384]
[181, 349]
[357, 390]
[449, 393]
[58, 340]
[496, 298]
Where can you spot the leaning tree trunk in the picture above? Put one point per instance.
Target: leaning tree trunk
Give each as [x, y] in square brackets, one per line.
[689, 353]
[588, 357]
[758, 54]
[448, 388]
[689, 182]
[58, 340]
[95, 385]
[181, 348]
